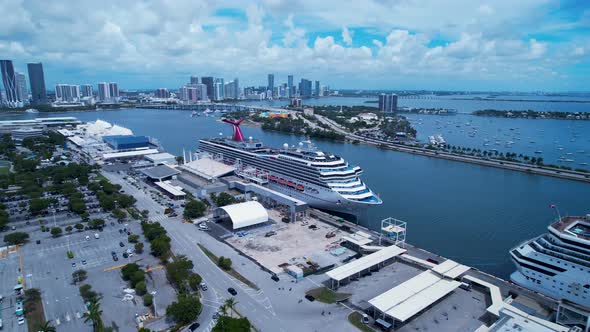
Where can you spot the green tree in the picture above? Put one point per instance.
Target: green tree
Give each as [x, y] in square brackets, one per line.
[85, 215]
[141, 288]
[148, 300]
[224, 263]
[128, 270]
[230, 304]
[194, 280]
[119, 214]
[16, 238]
[178, 270]
[69, 229]
[185, 310]
[96, 223]
[93, 315]
[194, 209]
[79, 226]
[225, 324]
[161, 247]
[47, 326]
[137, 277]
[125, 201]
[37, 205]
[79, 276]
[133, 238]
[139, 248]
[179, 160]
[56, 231]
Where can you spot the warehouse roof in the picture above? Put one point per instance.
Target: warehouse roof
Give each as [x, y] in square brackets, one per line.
[160, 172]
[128, 154]
[246, 214]
[450, 269]
[172, 189]
[160, 157]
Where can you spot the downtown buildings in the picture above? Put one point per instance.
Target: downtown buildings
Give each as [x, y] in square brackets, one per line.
[37, 82]
[388, 103]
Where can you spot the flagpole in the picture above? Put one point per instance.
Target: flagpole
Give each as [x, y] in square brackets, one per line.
[553, 206]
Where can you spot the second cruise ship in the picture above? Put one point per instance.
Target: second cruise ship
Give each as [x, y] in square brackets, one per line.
[322, 180]
[557, 263]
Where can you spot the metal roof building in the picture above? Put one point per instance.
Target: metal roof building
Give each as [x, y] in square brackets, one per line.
[126, 142]
[160, 172]
[128, 154]
[161, 158]
[412, 296]
[364, 263]
[172, 190]
[245, 214]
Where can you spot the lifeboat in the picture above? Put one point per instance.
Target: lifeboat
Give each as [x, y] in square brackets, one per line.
[272, 178]
[291, 184]
[282, 181]
[299, 187]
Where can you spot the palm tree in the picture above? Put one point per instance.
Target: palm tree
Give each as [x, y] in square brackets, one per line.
[94, 314]
[230, 303]
[47, 327]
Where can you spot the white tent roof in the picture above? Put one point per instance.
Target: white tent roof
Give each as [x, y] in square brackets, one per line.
[450, 269]
[365, 262]
[414, 295]
[246, 214]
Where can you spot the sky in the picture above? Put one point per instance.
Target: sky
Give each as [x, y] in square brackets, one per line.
[499, 45]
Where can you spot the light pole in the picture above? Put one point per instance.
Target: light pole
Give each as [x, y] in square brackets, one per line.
[154, 302]
[54, 222]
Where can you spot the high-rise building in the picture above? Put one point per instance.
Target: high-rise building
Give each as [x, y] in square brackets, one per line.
[162, 93]
[219, 89]
[37, 83]
[9, 81]
[194, 80]
[67, 92]
[229, 90]
[388, 103]
[22, 92]
[209, 81]
[103, 91]
[113, 90]
[236, 88]
[317, 89]
[271, 83]
[305, 88]
[86, 90]
[290, 93]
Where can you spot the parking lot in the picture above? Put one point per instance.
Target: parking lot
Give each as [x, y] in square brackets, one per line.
[9, 272]
[46, 266]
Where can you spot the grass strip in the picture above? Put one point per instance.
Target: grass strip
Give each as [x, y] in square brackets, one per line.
[231, 271]
[326, 295]
[355, 319]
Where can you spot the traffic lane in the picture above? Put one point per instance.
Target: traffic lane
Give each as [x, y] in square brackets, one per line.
[217, 279]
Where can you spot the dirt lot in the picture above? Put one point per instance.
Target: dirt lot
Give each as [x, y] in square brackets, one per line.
[292, 243]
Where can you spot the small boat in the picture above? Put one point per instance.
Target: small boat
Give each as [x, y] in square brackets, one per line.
[300, 187]
[193, 114]
[583, 164]
[31, 110]
[539, 151]
[569, 160]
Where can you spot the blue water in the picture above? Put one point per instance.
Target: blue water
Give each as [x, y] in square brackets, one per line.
[470, 213]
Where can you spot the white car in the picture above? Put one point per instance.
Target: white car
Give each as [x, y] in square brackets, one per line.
[21, 320]
[203, 226]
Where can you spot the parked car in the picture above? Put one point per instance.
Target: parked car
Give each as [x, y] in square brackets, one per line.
[269, 234]
[275, 277]
[83, 262]
[203, 286]
[121, 244]
[232, 291]
[194, 326]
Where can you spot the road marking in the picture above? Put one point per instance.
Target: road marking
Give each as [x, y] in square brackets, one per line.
[158, 267]
[114, 267]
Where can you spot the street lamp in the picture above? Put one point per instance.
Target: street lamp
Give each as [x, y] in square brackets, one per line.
[154, 302]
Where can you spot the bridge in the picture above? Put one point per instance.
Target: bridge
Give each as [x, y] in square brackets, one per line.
[212, 107]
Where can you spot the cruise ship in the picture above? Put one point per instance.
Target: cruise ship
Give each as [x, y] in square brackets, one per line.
[557, 263]
[320, 179]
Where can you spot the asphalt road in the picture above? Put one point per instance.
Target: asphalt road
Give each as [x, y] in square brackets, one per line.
[275, 307]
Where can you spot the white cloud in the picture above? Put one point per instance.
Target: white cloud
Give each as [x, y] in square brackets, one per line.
[174, 38]
[346, 36]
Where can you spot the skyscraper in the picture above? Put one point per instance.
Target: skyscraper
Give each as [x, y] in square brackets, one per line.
[194, 80]
[9, 81]
[219, 89]
[317, 89]
[22, 92]
[201, 91]
[290, 86]
[209, 81]
[37, 83]
[86, 90]
[103, 91]
[67, 93]
[388, 103]
[113, 90]
[271, 83]
[305, 88]
[236, 88]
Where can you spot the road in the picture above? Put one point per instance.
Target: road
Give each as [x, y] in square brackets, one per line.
[277, 306]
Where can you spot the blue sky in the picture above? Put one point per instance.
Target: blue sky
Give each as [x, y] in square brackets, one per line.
[501, 45]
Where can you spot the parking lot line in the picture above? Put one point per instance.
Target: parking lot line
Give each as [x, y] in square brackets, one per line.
[158, 267]
[114, 267]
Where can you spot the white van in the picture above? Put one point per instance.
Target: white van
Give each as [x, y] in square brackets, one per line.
[96, 236]
[87, 238]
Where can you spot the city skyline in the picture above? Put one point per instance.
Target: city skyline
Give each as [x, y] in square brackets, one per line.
[461, 45]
